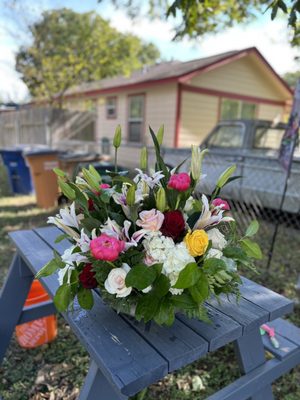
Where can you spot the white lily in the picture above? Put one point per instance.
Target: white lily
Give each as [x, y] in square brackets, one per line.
[69, 257]
[207, 218]
[111, 228]
[83, 242]
[120, 198]
[151, 181]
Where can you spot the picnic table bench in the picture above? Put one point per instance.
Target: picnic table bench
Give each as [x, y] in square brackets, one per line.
[126, 357]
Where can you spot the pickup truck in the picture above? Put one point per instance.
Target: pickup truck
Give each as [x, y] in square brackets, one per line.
[253, 145]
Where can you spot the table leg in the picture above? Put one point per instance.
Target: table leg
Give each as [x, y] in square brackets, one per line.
[250, 353]
[96, 387]
[12, 299]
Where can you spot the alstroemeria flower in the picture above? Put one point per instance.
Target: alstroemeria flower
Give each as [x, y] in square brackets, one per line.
[207, 218]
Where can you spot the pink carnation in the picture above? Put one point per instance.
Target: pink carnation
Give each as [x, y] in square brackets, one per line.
[106, 247]
[180, 182]
[104, 186]
[223, 204]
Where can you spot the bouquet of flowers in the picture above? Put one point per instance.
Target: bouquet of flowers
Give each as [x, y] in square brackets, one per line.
[152, 245]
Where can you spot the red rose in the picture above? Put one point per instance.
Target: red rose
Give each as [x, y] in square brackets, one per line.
[91, 205]
[87, 277]
[173, 225]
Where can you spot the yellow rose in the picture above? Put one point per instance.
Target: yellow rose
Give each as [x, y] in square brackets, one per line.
[196, 242]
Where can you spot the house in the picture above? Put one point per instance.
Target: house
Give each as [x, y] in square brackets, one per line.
[189, 98]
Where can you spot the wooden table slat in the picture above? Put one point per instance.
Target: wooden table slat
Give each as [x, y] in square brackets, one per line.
[125, 358]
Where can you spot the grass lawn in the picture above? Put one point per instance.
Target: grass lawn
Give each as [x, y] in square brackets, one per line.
[57, 370]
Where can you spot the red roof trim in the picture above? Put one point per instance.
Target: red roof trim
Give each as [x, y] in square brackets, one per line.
[182, 78]
[230, 95]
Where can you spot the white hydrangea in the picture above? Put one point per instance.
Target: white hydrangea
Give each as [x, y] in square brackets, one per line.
[217, 238]
[214, 253]
[158, 246]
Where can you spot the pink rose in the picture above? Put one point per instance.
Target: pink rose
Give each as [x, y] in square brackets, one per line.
[151, 220]
[180, 182]
[221, 203]
[105, 186]
[106, 247]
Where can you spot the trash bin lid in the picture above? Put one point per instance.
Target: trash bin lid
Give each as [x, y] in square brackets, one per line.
[38, 152]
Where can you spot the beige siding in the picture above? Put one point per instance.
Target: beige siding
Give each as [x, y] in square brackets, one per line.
[245, 76]
[269, 112]
[199, 114]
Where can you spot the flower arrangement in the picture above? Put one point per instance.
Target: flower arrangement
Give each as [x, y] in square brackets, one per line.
[152, 245]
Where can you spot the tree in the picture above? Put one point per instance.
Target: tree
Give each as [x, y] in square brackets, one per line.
[291, 78]
[69, 48]
[198, 17]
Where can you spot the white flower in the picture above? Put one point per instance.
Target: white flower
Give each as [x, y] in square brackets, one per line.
[120, 198]
[111, 228]
[217, 238]
[175, 291]
[115, 282]
[208, 218]
[230, 264]
[66, 220]
[83, 242]
[69, 257]
[175, 261]
[189, 204]
[158, 246]
[214, 253]
[151, 181]
[62, 272]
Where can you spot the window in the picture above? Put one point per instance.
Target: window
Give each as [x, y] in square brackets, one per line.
[267, 137]
[111, 107]
[136, 118]
[227, 136]
[234, 109]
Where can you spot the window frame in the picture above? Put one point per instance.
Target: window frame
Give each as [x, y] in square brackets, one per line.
[240, 103]
[130, 119]
[115, 116]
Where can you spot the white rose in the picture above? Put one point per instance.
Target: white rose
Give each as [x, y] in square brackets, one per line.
[217, 238]
[115, 282]
[214, 253]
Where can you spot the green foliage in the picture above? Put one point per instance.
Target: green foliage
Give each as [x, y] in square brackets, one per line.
[195, 18]
[85, 298]
[188, 276]
[165, 314]
[140, 277]
[63, 297]
[70, 48]
[252, 229]
[251, 248]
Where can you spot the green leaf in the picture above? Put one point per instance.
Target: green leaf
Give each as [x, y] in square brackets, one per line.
[184, 302]
[252, 249]
[166, 312]
[224, 177]
[160, 162]
[61, 237]
[140, 277]
[212, 265]
[200, 291]
[188, 276]
[63, 297]
[161, 286]
[95, 173]
[160, 135]
[147, 307]
[66, 189]
[252, 228]
[92, 180]
[59, 172]
[235, 253]
[85, 298]
[48, 269]
[80, 197]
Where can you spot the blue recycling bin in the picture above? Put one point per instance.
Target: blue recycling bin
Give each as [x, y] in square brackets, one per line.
[18, 172]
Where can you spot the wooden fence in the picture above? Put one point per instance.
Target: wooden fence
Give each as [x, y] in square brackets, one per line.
[63, 129]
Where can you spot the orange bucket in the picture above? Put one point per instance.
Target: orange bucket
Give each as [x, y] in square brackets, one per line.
[40, 331]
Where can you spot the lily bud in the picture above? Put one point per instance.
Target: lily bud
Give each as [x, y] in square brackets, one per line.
[130, 197]
[117, 137]
[161, 203]
[196, 163]
[223, 178]
[144, 159]
[160, 135]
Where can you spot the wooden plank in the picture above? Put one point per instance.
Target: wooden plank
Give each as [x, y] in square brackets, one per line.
[179, 345]
[287, 330]
[274, 303]
[36, 311]
[247, 314]
[285, 349]
[256, 380]
[220, 331]
[124, 357]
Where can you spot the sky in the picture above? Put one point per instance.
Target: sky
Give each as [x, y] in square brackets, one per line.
[270, 37]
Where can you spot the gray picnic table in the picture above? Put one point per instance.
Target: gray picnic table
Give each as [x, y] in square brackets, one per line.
[126, 357]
